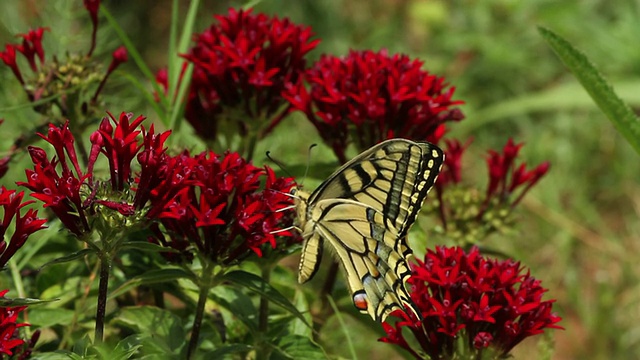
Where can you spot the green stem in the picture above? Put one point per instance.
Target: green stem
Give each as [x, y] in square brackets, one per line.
[206, 284]
[103, 290]
[17, 278]
[251, 147]
[327, 288]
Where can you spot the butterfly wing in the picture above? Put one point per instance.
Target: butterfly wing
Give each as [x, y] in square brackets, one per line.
[365, 210]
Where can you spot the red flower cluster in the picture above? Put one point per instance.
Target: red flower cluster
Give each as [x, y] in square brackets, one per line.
[242, 65]
[54, 78]
[31, 47]
[25, 225]
[72, 193]
[373, 97]
[9, 325]
[226, 213]
[505, 177]
[490, 303]
[215, 202]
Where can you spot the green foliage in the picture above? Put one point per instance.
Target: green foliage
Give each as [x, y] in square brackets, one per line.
[618, 112]
[577, 231]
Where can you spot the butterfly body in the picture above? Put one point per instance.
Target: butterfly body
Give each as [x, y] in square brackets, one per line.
[364, 211]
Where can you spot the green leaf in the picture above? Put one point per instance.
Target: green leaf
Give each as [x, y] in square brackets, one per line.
[46, 317]
[297, 347]
[296, 326]
[562, 97]
[619, 113]
[67, 258]
[81, 348]
[343, 326]
[55, 355]
[6, 302]
[147, 246]
[151, 347]
[157, 323]
[258, 285]
[219, 353]
[238, 304]
[124, 350]
[152, 277]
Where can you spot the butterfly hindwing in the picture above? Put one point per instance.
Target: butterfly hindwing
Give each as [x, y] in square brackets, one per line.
[364, 210]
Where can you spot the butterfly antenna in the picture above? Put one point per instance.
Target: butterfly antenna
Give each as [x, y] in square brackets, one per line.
[306, 171]
[279, 163]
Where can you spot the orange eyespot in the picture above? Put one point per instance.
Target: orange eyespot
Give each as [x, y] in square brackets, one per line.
[360, 301]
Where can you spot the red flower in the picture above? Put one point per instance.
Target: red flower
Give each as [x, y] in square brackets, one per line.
[9, 335]
[120, 146]
[73, 193]
[9, 58]
[119, 56]
[489, 302]
[32, 47]
[242, 64]
[505, 177]
[452, 168]
[92, 6]
[375, 97]
[25, 224]
[226, 213]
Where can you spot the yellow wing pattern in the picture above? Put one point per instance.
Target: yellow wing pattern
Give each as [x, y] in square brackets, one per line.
[364, 210]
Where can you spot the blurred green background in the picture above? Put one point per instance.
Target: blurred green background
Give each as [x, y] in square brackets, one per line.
[578, 229]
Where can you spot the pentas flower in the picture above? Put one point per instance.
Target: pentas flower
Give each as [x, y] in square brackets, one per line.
[367, 97]
[451, 171]
[490, 305]
[469, 215]
[92, 7]
[26, 223]
[71, 79]
[9, 325]
[505, 176]
[232, 209]
[242, 64]
[73, 193]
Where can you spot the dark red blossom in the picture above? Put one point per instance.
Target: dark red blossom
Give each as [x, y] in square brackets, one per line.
[505, 177]
[119, 144]
[9, 325]
[119, 56]
[491, 303]
[451, 171]
[232, 208]
[241, 66]
[32, 47]
[25, 223]
[373, 97]
[57, 182]
[72, 192]
[92, 6]
[9, 58]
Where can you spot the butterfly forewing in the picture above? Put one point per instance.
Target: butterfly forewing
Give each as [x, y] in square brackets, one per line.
[365, 210]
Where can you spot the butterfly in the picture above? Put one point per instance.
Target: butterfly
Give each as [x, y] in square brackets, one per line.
[364, 211]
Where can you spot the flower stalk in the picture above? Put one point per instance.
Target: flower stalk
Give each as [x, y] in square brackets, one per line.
[205, 284]
[103, 290]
